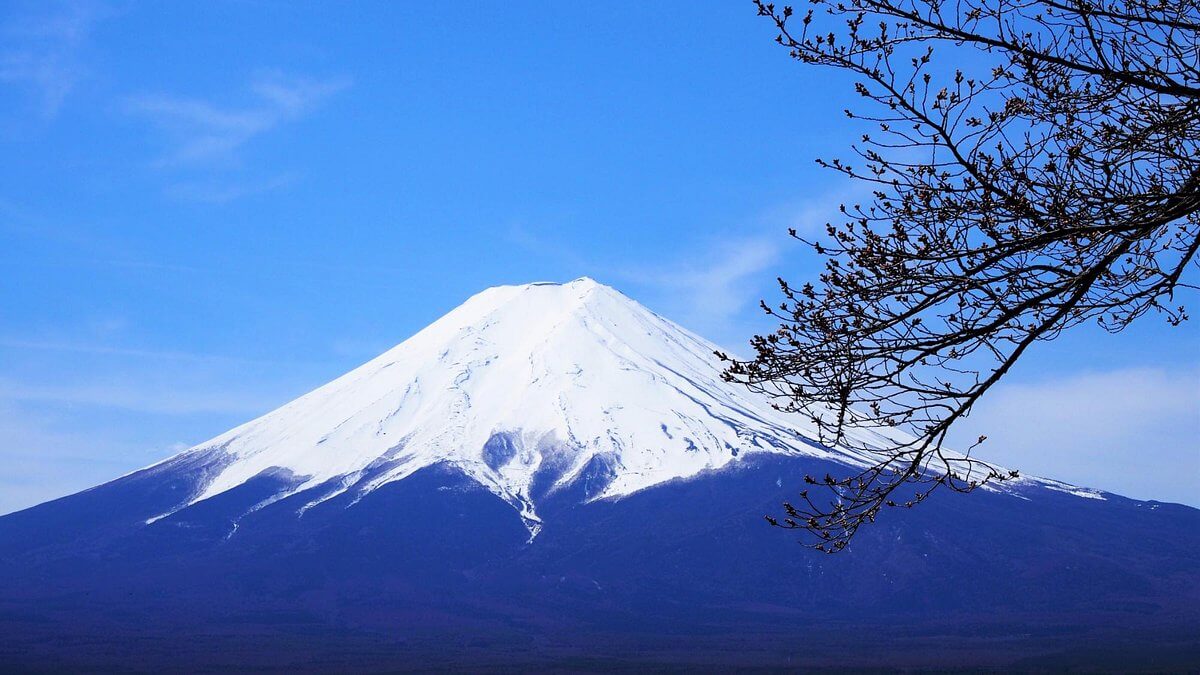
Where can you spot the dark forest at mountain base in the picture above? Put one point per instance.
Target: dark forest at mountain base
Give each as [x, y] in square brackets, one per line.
[436, 572]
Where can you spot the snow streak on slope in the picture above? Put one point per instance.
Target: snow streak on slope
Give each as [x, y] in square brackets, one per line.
[525, 389]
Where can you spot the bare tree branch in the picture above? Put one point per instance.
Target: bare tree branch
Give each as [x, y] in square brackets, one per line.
[1059, 184]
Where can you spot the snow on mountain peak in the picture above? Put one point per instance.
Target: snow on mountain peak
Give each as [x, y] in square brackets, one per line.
[525, 389]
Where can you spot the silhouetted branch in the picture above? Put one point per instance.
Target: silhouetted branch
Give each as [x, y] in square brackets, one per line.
[1058, 184]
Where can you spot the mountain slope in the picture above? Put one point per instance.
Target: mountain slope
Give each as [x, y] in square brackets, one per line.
[524, 388]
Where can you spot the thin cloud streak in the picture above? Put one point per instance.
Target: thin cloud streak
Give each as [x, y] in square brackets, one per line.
[202, 131]
[709, 290]
[716, 286]
[42, 50]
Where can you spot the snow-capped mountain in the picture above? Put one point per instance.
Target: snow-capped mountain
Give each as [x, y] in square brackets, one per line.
[554, 475]
[525, 389]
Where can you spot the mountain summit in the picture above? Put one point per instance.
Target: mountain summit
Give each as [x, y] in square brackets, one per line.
[553, 477]
[526, 389]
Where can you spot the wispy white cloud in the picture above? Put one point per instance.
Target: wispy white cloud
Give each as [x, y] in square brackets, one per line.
[203, 131]
[42, 49]
[1134, 431]
[809, 215]
[714, 284]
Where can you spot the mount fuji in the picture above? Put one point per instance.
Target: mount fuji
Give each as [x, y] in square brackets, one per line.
[525, 390]
[552, 474]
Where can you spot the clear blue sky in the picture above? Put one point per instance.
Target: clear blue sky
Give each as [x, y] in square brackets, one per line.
[207, 209]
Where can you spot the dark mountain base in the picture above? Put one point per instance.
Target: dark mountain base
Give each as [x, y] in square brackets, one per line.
[294, 645]
[434, 573]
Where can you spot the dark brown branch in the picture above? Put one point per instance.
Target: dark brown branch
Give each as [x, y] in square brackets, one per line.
[1059, 185]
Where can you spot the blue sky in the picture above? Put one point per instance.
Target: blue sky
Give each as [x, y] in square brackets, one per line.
[207, 209]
